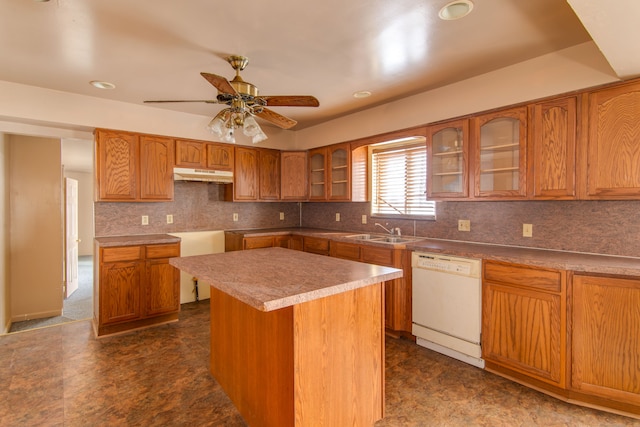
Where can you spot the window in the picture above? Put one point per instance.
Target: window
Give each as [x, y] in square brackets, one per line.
[399, 179]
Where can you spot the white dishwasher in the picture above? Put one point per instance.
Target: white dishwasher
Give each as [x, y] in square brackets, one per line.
[447, 305]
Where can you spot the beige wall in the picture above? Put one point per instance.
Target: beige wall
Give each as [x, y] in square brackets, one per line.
[5, 289]
[85, 210]
[36, 225]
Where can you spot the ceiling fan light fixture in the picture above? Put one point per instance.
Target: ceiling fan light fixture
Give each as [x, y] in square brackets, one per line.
[250, 127]
[456, 10]
[259, 137]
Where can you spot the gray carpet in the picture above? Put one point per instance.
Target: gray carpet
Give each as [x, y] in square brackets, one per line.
[77, 307]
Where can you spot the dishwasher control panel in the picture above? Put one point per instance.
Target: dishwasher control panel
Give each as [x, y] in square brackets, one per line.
[448, 264]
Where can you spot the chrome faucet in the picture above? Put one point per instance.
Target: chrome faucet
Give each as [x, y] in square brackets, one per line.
[392, 232]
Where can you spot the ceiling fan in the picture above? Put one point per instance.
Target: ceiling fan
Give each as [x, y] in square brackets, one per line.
[244, 102]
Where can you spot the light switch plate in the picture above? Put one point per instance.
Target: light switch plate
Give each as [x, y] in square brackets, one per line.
[527, 230]
[169, 219]
[281, 216]
[145, 219]
[235, 216]
[364, 219]
[337, 216]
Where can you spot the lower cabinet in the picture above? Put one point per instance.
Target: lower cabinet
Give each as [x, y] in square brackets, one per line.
[605, 339]
[397, 292]
[524, 321]
[135, 287]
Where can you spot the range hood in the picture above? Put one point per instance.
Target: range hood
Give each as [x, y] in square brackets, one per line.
[189, 174]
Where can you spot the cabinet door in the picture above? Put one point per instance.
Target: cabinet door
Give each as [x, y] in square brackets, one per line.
[553, 149]
[162, 288]
[318, 174]
[190, 154]
[156, 168]
[316, 245]
[120, 286]
[500, 154]
[116, 166]
[269, 174]
[345, 250]
[339, 167]
[613, 145]
[293, 175]
[447, 157]
[523, 322]
[220, 157]
[245, 175]
[605, 337]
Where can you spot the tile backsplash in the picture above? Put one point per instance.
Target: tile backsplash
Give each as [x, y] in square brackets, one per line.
[605, 227]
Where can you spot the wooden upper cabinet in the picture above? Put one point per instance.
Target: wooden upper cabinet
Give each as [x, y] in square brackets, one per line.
[613, 143]
[219, 157]
[318, 174]
[269, 174]
[156, 168]
[500, 145]
[359, 174]
[190, 154]
[116, 166]
[293, 175]
[552, 169]
[245, 176]
[339, 172]
[448, 159]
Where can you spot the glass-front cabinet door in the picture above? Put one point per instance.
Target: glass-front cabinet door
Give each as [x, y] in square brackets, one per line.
[317, 174]
[339, 173]
[447, 156]
[500, 154]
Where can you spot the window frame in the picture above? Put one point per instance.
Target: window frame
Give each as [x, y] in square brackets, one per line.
[392, 145]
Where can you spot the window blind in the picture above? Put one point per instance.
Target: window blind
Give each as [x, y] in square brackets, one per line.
[399, 181]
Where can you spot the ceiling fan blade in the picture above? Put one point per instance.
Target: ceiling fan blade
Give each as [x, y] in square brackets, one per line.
[220, 83]
[291, 101]
[277, 119]
[208, 101]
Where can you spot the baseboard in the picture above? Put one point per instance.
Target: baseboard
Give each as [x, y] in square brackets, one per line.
[33, 316]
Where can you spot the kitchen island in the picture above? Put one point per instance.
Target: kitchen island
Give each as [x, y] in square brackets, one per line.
[297, 339]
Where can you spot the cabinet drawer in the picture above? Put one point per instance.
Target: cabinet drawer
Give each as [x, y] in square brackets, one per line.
[122, 253]
[380, 256]
[345, 251]
[258, 242]
[316, 245]
[163, 251]
[539, 278]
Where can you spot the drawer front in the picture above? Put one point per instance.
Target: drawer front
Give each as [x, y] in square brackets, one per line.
[122, 253]
[258, 242]
[538, 278]
[345, 251]
[380, 256]
[163, 251]
[316, 245]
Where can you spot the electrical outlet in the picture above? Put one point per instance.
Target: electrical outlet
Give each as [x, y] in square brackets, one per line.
[464, 225]
[145, 219]
[281, 216]
[364, 219]
[235, 216]
[527, 230]
[169, 219]
[337, 216]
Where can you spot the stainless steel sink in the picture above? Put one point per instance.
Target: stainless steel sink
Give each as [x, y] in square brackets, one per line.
[383, 239]
[362, 237]
[391, 239]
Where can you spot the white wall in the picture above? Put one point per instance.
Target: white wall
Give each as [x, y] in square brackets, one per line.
[577, 67]
[85, 210]
[36, 224]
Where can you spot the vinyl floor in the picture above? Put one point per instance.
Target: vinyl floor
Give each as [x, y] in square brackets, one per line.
[62, 376]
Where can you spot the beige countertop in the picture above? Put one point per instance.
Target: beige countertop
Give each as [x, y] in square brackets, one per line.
[273, 278]
[138, 239]
[571, 261]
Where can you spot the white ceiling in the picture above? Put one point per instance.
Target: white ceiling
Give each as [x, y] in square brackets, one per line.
[156, 49]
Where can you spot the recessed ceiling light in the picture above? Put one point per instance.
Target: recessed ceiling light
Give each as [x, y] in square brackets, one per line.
[102, 85]
[361, 94]
[456, 10]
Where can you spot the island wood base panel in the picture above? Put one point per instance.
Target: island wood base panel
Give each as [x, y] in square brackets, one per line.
[317, 363]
